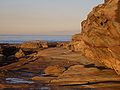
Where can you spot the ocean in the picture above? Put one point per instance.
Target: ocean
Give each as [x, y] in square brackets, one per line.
[23, 38]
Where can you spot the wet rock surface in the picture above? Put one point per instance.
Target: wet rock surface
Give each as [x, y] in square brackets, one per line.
[56, 69]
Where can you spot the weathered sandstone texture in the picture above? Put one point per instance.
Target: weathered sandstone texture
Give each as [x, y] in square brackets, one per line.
[100, 36]
[54, 70]
[33, 45]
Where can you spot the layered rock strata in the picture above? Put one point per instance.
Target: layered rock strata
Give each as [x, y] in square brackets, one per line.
[100, 36]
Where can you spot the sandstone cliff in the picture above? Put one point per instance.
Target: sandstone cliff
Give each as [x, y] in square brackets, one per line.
[100, 36]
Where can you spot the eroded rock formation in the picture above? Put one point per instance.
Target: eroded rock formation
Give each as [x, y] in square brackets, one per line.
[33, 45]
[100, 36]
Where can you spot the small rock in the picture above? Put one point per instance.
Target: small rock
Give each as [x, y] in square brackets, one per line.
[19, 54]
[54, 70]
[44, 45]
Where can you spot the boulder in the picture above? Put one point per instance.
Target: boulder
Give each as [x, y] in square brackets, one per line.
[9, 50]
[33, 45]
[20, 54]
[2, 57]
[0, 50]
[100, 36]
[54, 70]
[44, 45]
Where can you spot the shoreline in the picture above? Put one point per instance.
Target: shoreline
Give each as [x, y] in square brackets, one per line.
[20, 42]
[53, 67]
[21, 39]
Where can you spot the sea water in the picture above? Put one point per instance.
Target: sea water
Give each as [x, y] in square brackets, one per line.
[22, 38]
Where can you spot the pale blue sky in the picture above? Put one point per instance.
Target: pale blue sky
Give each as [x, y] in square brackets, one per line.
[46, 17]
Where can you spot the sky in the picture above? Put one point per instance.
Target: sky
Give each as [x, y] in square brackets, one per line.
[44, 17]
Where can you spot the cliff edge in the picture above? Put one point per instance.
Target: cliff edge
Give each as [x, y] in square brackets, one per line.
[100, 36]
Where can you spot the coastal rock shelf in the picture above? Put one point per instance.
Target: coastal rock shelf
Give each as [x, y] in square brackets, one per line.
[58, 68]
[100, 36]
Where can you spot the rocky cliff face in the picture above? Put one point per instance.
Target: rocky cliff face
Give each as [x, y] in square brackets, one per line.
[100, 36]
